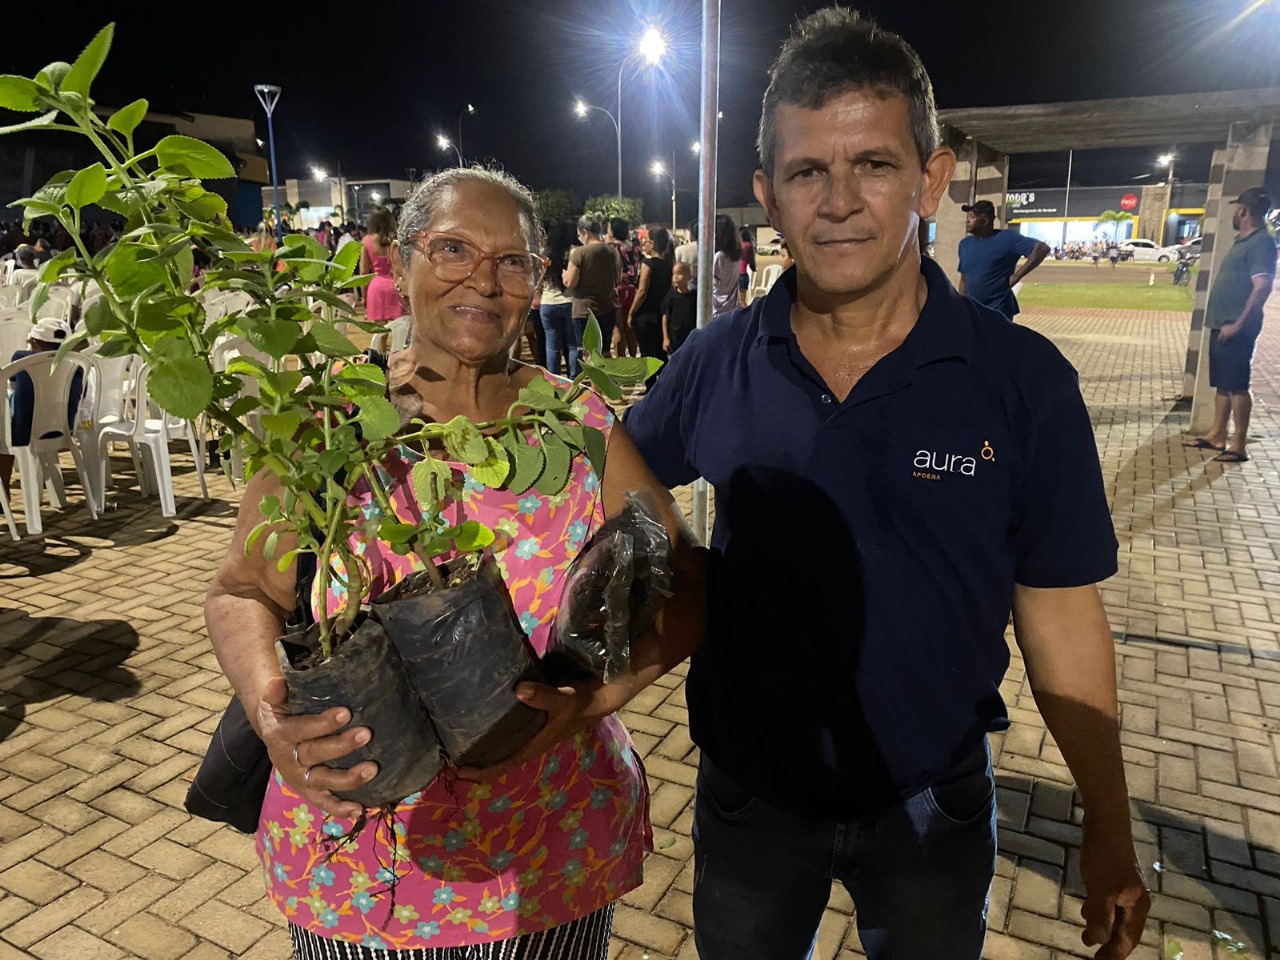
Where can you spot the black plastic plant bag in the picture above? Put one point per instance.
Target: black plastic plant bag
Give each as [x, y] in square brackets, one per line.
[366, 675]
[613, 592]
[464, 653]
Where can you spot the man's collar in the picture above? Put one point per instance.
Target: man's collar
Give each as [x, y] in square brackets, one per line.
[943, 330]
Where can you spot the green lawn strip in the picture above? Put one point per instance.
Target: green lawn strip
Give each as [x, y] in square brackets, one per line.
[1162, 296]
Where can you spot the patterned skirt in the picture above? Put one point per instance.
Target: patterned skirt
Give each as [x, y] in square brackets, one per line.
[583, 939]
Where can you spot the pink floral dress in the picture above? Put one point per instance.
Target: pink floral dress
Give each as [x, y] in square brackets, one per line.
[555, 840]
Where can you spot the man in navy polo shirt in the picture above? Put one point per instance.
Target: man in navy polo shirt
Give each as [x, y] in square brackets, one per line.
[895, 469]
[989, 259]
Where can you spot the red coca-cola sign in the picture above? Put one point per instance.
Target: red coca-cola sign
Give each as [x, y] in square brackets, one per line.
[1129, 202]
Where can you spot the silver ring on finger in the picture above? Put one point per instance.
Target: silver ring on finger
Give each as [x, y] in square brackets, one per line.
[295, 754]
[306, 776]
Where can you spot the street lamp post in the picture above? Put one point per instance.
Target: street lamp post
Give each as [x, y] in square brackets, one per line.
[356, 188]
[468, 109]
[1166, 161]
[321, 176]
[444, 143]
[581, 108]
[268, 96]
[660, 171]
[651, 48]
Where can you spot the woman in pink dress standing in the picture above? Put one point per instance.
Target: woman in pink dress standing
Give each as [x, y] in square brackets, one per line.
[382, 300]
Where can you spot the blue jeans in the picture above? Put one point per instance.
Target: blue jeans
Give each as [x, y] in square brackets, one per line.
[918, 872]
[562, 337]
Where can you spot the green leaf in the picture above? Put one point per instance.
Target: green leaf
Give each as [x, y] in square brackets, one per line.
[51, 76]
[330, 342]
[379, 419]
[41, 121]
[210, 206]
[464, 442]
[273, 540]
[495, 468]
[536, 401]
[603, 382]
[471, 536]
[19, 93]
[431, 479]
[193, 158]
[283, 425]
[157, 319]
[592, 338]
[540, 386]
[71, 343]
[59, 265]
[131, 269]
[396, 532]
[180, 382]
[126, 119]
[570, 433]
[299, 244]
[87, 65]
[529, 463]
[283, 563]
[275, 338]
[346, 260]
[255, 533]
[628, 370]
[38, 299]
[87, 186]
[555, 474]
[36, 208]
[596, 449]
[99, 318]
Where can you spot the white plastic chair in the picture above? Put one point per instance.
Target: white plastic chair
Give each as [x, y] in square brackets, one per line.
[15, 328]
[8, 297]
[6, 271]
[57, 305]
[149, 431]
[37, 460]
[398, 338]
[107, 398]
[224, 351]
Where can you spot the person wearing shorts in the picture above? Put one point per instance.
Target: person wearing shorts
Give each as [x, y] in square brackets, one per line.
[1234, 317]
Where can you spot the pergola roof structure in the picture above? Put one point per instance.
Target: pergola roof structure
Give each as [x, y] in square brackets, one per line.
[1123, 122]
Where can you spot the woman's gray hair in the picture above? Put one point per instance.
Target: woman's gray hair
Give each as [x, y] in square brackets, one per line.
[420, 209]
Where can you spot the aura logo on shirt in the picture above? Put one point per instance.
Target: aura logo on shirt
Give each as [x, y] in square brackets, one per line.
[931, 465]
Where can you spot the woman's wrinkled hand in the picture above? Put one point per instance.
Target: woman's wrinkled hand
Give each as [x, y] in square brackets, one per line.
[299, 746]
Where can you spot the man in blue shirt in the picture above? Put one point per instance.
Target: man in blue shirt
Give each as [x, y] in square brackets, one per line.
[895, 469]
[989, 259]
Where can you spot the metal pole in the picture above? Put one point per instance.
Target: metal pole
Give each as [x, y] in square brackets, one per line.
[1066, 203]
[673, 195]
[617, 122]
[707, 210]
[1168, 205]
[269, 95]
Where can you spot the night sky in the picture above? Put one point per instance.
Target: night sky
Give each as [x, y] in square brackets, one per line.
[368, 86]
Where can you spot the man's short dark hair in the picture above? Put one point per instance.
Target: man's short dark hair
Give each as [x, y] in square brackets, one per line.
[834, 51]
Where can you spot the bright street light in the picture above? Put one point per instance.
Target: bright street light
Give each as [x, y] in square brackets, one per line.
[696, 147]
[443, 143]
[375, 197]
[319, 174]
[468, 110]
[1165, 159]
[580, 108]
[659, 170]
[652, 46]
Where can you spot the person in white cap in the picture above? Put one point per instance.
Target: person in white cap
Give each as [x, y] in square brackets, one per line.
[46, 334]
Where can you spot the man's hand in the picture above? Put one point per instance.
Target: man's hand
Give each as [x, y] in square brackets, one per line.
[569, 711]
[1228, 331]
[1116, 903]
[300, 745]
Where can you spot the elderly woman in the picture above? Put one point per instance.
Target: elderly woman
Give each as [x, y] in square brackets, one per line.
[527, 859]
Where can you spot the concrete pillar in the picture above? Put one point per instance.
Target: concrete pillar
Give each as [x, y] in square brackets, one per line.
[981, 174]
[1152, 219]
[1241, 163]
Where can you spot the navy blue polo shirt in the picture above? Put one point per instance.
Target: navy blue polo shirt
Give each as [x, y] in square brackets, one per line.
[865, 553]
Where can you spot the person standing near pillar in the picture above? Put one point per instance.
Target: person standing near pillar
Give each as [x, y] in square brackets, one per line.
[1234, 318]
[989, 259]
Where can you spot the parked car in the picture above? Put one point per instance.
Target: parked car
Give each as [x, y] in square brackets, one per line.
[1146, 250]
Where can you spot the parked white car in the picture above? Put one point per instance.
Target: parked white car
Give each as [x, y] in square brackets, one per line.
[1140, 249]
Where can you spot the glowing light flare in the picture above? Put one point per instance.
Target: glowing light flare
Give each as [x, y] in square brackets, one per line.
[1165, 159]
[653, 46]
[658, 169]
[443, 142]
[318, 173]
[580, 108]
[375, 197]
[696, 147]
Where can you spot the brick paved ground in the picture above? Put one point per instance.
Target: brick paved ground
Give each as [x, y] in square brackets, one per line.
[108, 692]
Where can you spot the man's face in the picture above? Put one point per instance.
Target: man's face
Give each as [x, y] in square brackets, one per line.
[974, 221]
[848, 191]
[1238, 217]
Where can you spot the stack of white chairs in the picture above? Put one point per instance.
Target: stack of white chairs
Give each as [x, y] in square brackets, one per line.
[765, 279]
[107, 403]
[58, 304]
[37, 460]
[148, 431]
[224, 351]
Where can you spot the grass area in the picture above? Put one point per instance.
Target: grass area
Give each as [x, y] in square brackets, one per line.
[1117, 296]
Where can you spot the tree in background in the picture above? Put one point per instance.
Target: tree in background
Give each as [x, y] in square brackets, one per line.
[630, 209]
[1115, 218]
[556, 204]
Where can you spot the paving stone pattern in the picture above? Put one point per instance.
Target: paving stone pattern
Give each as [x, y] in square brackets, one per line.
[109, 692]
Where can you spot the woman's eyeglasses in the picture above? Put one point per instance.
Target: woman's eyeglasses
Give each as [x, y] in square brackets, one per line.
[453, 260]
